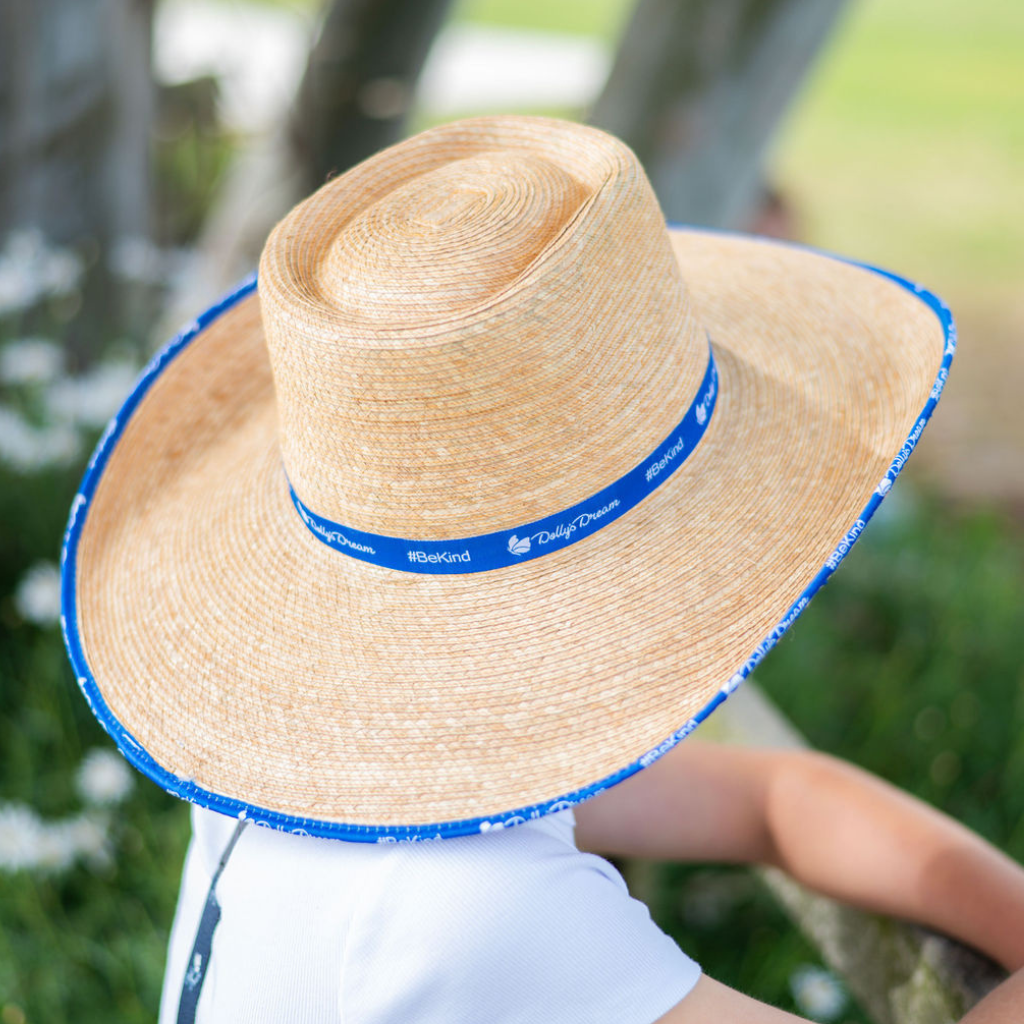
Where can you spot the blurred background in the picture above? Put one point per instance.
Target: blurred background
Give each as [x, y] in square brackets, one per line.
[146, 148]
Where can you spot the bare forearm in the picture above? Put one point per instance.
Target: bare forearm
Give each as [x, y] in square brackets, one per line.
[852, 836]
[1002, 1005]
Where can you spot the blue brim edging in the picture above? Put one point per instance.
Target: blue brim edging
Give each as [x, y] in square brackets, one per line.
[136, 755]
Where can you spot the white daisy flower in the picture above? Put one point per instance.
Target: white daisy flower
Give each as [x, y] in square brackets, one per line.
[21, 837]
[30, 361]
[29, 449]
[89, 837]
[91, 399]
[28, 843]
[56, 849]
[38, 595]
[136, 258]
[31, 269]
[103, 778]
[818, 993]
[17, 289]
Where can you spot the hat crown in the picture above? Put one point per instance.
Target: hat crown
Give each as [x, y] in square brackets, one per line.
[447, 240]
[475, 328]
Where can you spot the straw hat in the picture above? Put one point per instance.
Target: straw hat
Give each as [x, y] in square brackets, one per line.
[492, 492]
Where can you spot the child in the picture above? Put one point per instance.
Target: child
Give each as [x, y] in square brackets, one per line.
[495, 491]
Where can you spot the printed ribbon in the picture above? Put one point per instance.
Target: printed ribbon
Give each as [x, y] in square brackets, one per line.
[507, 547]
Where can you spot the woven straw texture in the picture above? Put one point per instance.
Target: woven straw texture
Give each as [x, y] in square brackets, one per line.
[476, 328]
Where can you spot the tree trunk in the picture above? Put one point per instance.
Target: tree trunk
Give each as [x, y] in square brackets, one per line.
[359, 81]
[353, 101]
[697, 90]
[75, 113]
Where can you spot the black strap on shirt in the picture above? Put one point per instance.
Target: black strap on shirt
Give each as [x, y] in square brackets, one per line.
[195, 974]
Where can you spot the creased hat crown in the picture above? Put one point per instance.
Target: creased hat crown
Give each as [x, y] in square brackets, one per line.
[428, 313]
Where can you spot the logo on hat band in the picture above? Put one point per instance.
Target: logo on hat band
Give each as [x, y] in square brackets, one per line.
[520, 544]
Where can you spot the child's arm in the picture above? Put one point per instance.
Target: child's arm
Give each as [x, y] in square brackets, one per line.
[831, 826]
[712, 1003]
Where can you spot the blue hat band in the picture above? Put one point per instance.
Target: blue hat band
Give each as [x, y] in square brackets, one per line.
[541, 537]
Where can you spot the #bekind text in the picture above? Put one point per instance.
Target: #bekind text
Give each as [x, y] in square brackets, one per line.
[666, 745]
[845, 544]
[657, 467]
[438, 557]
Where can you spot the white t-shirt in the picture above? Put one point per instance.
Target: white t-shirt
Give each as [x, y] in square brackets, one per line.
[509, 927]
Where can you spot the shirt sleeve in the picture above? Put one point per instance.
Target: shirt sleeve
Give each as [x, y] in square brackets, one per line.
[510, 929]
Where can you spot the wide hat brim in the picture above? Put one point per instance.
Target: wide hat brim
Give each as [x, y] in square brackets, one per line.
[246, 666]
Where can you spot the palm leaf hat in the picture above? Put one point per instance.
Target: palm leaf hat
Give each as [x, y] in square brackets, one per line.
[487, 494]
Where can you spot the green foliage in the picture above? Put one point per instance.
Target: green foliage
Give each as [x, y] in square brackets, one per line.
[730, 924]
[191, 154]
[86, 944]
[909, 662]
[83, 941]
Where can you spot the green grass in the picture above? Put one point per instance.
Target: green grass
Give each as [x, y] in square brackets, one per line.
[600, 18]
[906, 146]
